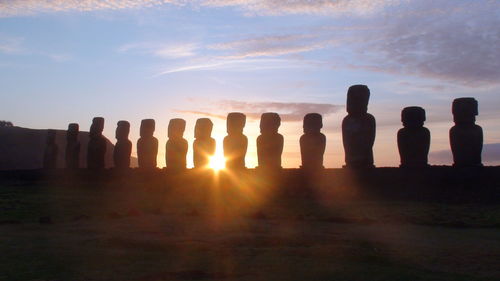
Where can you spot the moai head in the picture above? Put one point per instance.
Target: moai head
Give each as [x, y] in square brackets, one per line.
[72, 133]
[357, 99]
[313, 122]
[147, 128]
[176, 128]
[413, 117]
[235, 123]
[122, 130]
[269, 123]
[51, 136]
[203, 128]
[97, 126]
[464, 111]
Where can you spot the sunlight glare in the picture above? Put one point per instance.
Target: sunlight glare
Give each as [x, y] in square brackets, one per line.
[217, 162]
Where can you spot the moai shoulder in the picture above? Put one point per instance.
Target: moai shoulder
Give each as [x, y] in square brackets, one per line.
[147, 145]
[466, 138]
[177, 146]
[312, 142]
[413, 139]
[270, 142]
[358, 129]
[72, 156]
[123, 146]
[235, 143]
[204, 144]
[96, 148]
[51, 151]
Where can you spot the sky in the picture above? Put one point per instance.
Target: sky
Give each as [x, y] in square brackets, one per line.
[68, 61]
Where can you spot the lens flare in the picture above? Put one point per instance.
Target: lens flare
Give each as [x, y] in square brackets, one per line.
[217, 162]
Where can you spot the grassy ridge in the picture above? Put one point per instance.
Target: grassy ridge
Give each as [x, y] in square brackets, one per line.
[252, 230]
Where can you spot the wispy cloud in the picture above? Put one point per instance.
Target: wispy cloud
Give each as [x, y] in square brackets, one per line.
[271, 45]
[289, 111]
[491, 154]
[449, 41]
[230, 64]
[16, 46]
[163, 50]
[11, 8]
[322, 7]
[11, 45]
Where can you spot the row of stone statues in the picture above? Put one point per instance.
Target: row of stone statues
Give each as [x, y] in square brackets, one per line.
[358, 133]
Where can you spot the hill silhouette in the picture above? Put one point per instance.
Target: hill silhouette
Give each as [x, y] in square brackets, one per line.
[22, 148]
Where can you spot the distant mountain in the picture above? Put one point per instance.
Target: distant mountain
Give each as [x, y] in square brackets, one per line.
[23, 148]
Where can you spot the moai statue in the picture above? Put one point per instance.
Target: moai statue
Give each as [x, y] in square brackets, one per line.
[147, 145]
[466, 138]
[51, 150]
[96, 148]
[235, 143]
[414, 139]
[123, 146]
[270, 142]
[204, 144]
[177, 146]
[312, 142]
[358, 129]
[72, 147]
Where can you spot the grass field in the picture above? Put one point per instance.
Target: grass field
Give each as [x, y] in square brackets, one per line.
[141, 231]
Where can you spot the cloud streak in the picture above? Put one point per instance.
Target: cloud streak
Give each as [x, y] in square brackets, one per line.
[448, 41]
[321, 7]
[163, 50]
[271, 45]
[10, 8]
[205, 64]
[451, 42]
[289, 111]
[490, 155]
[11, 45]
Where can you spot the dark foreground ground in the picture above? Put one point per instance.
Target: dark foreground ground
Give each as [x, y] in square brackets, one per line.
[246, 227]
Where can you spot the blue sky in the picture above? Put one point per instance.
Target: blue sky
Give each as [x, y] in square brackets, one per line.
[67, 61]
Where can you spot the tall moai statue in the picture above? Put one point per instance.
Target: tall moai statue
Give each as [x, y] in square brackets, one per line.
[270, 142]
[358, 129]
[414, 139]
[204, 144]
[51, 151]
[466, 138]
[312, 142]
[235, 143]
[177, 147]
[147, 145]
[72, 147]
[96, 148]
[123, 146]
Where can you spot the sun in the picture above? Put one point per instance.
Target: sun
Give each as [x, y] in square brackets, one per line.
[217, 162]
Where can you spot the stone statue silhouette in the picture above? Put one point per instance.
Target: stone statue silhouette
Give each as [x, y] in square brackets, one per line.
[312, 142]
[72, 155]
[123, 146]
[270, 142]
[51, 150]
[358, 129]
[204, 144]
[466, 138]
[414, 139]
[177, 146]
[147, 145]
[235, 143]
[96, 148]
